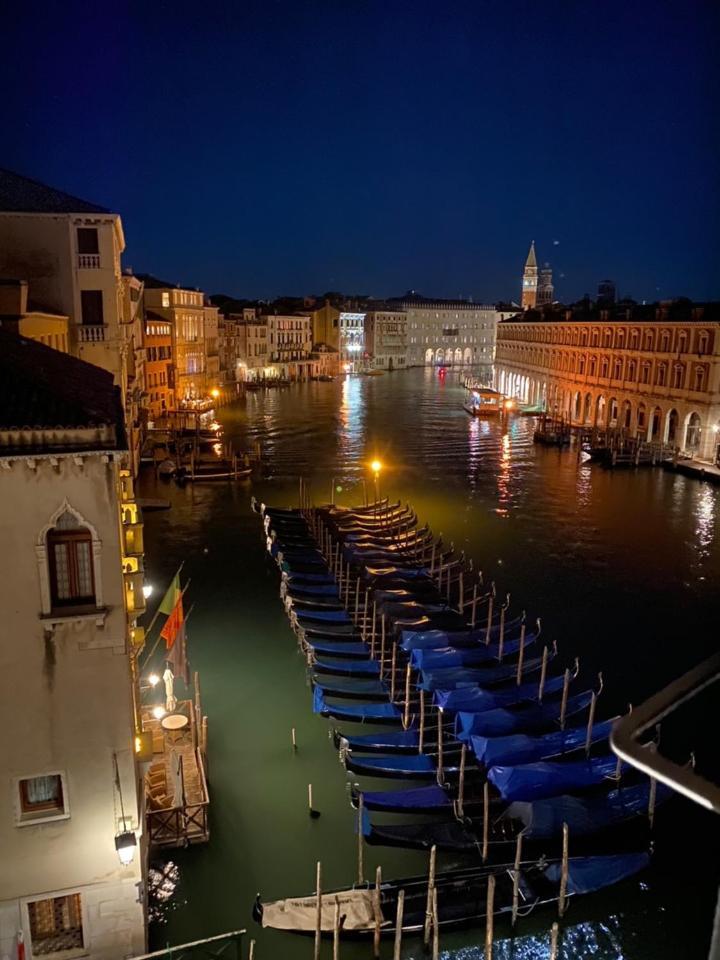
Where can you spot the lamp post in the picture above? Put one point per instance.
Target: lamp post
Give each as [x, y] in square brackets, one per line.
[125, 840]
[376, 467]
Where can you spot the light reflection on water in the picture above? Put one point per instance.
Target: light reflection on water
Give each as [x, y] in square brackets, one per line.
[623, 567]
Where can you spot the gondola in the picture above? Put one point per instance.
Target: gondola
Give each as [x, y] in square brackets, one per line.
[461, 896]
[616, 819]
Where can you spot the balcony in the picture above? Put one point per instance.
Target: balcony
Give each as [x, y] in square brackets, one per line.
[88, 261]
[89, 333]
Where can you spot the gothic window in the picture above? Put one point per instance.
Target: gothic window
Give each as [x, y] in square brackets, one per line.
[604, 367]
[70, 560]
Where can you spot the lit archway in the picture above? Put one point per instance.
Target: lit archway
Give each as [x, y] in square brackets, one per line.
[693, 431]
[671, 426]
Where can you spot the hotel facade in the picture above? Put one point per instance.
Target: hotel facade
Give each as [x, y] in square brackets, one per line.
[453, 332]
[650, 371]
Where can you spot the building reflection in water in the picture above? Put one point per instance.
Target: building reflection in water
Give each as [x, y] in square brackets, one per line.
[351, 432]
[503, 477]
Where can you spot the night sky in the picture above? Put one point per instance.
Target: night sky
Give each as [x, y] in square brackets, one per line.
[281, 147]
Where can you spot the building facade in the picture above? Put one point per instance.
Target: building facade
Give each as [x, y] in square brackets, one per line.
[184, 309]
[386, 338]
[159, 385]
[652, 371]
[351, 339]
[69, 250]
[289, 341]
[545, 288]
[211, 319]
[454, 332]
[71, 593]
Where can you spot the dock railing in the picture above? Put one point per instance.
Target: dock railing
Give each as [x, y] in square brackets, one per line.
[211, 948]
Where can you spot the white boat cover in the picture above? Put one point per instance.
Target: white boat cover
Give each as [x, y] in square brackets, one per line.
[356, 907]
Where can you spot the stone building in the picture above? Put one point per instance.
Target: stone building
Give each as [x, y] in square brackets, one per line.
[289, 341]
[351, 339]
[159, 369]
[652, 371]
[184, 308]
[455, 332]
[386, 337]
[530, 280]
[73, 867]
[68, 250]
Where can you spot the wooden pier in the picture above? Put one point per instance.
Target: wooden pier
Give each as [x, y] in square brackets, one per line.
[176, 792]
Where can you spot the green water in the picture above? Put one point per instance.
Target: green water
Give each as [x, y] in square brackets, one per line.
[622, 567]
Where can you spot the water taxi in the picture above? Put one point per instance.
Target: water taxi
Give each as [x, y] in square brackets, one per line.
[484, 402]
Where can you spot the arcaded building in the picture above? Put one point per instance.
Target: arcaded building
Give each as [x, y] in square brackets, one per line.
[651, 370]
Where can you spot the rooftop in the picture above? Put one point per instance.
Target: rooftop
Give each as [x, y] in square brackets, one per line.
[42, 389]
[413, 299]
[22, 195]
[681, 310]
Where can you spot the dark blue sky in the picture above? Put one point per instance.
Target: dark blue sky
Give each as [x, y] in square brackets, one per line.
[261, 148]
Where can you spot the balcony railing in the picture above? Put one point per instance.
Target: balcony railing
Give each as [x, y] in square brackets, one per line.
[88, 261]
[89, 333]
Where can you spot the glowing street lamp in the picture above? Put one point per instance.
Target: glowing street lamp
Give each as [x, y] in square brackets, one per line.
[376, 467]
[147, 590]
[153, 679]
[214, 393]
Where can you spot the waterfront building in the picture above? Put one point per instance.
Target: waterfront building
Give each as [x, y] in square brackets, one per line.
[289, 344]
[455, 332]
[386, 337]
[211, 319]
[69, 250]
[651, 371]
[73, 847]
[545, 288]
[29, 319]
[530, 280]
[351, 339]
[231, 347]
[159, 383]
[325, 324]
[184, 309]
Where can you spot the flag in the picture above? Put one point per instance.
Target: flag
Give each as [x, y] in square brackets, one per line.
[173, 623]
[169, 601]
[177, 657]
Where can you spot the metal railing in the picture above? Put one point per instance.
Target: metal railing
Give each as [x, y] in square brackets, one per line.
[224, 945]
[626, 741]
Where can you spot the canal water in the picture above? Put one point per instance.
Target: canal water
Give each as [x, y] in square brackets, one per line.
[622, 567]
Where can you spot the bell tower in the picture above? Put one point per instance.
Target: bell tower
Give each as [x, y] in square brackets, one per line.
[530, 280]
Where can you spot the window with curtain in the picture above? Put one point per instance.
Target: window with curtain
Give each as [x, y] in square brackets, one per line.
[56, 925]
[41, 795]
[70, 561]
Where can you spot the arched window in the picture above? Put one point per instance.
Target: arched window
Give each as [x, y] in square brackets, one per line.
[634, 339]
[594, 338]
[649, 340]
[617, 368]
[620, 339]
[631, 369]
[584, 338]
[607, 337]
[593, 366]
[665, 341]
[581, 364]
[702, 341]
[678, 376]
[682, 342]
[604, 363]
[70, 562]
[699, 378]
[645, 372]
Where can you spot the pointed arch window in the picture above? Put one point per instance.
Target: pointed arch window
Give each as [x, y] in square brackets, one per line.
[69, 544]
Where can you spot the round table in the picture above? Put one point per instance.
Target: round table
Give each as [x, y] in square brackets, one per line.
[174, 723]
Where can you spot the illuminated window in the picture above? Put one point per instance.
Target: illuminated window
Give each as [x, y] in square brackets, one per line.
[165, 298]
[56, 926]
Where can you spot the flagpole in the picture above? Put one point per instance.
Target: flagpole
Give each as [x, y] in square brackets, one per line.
[159, 636]
[157, 612]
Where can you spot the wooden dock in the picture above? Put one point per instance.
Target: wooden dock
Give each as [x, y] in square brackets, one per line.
[176, 792]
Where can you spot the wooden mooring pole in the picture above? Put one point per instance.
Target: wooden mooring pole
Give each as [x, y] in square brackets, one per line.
[521, 654]
[554, 935]
[398, 925]
[489, 918]
[431, 887]
[564, 872]
[516, 878]
[318, 910]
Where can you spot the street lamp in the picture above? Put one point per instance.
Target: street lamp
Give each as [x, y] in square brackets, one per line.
[376, 467]
[215, 393]
[125, 840]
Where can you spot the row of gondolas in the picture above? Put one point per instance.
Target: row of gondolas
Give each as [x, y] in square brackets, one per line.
[498, 750]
